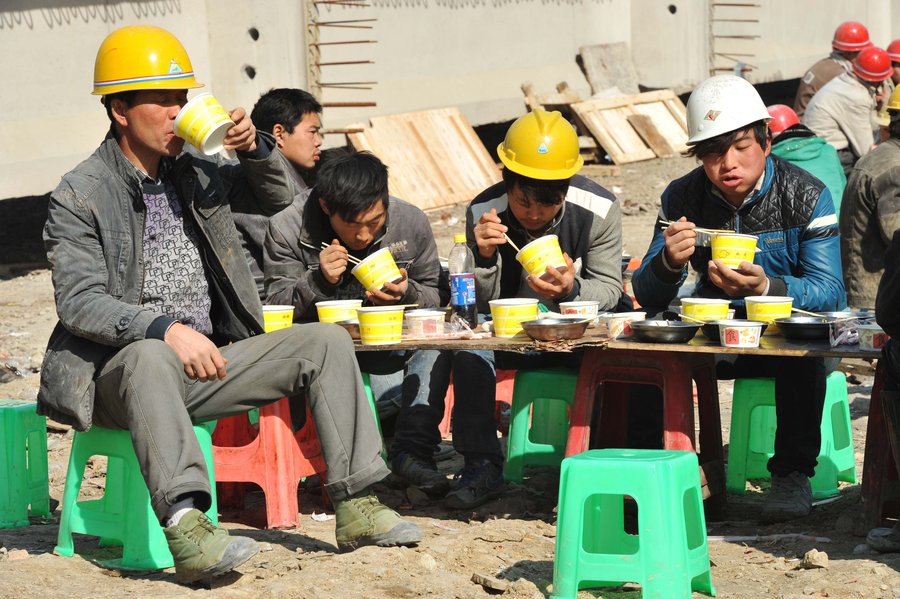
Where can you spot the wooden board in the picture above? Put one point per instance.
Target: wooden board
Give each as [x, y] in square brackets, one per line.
[434, 158]
[609, 66]
[638, 127]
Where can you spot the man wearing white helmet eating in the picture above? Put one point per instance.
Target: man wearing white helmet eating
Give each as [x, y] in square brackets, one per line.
[741, 187]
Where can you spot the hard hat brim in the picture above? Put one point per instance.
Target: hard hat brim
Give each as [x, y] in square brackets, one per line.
[554, 174]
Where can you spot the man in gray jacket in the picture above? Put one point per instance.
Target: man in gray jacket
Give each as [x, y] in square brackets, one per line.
[159, 320]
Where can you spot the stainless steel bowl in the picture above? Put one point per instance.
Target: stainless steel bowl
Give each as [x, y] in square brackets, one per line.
[664, 331]
[352, 327]
[804, 327]
[870, 315]
[710, 330]
[555, 329]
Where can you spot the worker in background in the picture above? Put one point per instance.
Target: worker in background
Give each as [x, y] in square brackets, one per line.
[850, 39]
[795, 143]
[843, 111]
[871, 213]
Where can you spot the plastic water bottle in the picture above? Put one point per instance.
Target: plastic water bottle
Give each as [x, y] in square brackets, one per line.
[461, 266]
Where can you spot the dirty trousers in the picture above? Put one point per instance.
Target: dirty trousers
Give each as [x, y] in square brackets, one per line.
[143, 389]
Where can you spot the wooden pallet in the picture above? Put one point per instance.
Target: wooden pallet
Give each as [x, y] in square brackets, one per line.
[639, 127]
[434, 157]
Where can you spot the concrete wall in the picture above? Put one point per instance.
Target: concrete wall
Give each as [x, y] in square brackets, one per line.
[473, 54]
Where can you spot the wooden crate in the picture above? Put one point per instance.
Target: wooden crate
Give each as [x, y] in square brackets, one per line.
[639, 127]
[434, 157]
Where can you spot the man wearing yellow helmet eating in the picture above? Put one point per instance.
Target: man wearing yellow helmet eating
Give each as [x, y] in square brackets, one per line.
[160, 323]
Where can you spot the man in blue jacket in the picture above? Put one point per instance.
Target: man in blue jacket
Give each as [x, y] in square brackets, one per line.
[741, 187]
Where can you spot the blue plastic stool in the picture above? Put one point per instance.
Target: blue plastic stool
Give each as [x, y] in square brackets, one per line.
[539, 419]
[752, 442]
[23, 463]
[668, 556]
[123, 516]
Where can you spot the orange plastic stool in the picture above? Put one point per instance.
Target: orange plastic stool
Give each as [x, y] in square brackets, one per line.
[615, 369]
[505, 381]
[273, 457]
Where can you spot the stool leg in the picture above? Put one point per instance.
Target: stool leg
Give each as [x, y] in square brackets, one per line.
[38, 480]
[514, 465]
[74, 476]
[282, 510]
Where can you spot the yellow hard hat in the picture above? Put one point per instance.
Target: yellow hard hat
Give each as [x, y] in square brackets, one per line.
[893, 102]
[142, 57]
[541, 145]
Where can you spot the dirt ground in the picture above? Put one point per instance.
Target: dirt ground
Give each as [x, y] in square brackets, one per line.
[511, 539]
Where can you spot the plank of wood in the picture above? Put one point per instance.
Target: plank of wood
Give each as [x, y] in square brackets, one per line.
[643, 124]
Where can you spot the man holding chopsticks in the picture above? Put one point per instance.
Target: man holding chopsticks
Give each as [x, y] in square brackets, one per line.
[742, 188]
[312, 246]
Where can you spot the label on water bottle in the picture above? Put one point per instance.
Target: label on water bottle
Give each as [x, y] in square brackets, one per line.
[462, 289]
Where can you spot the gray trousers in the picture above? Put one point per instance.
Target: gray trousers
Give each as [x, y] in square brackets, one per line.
[143, 389]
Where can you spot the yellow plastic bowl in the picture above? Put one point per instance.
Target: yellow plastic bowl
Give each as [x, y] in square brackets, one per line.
[703, 308]
[376, 270]
[509, 314]
[768, 308]
[277, 317]
[203, 123]
[337, 310]
[541, 253]
[380, 325]
[733, 248]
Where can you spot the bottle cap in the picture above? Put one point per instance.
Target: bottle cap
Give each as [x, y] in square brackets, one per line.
[459, 238]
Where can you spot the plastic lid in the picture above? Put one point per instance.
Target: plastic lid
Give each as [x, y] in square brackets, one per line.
[459, 238]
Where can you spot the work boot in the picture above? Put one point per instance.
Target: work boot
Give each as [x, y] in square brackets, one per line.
[789, 498]
[884, 540]
[475, 484]
[203, 550]
[362, 520]
[420, 474]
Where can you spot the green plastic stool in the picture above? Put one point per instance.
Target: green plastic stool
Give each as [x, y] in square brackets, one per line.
[539, 419]
[123, 516]
[23, 463]
[371, 397]
[752, 442]
[669, 556]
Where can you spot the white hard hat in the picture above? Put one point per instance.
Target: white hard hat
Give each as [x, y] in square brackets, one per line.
[722, 104]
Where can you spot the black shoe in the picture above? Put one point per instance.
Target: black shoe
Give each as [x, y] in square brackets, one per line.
[476, 484]
[420, 474]
[789, 499]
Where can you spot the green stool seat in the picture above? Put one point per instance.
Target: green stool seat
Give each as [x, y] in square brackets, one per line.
[752, 442]
[23, 463]
[539, 419]
[123, 516]
[668, 556]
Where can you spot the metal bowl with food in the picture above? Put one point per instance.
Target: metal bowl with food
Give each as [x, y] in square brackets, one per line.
[664, 331]
[804, 327]
[710, 330]
[352, 327]
[555, 329]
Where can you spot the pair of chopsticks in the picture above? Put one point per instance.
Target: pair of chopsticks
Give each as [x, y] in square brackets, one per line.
[351, 259]
[666, 223]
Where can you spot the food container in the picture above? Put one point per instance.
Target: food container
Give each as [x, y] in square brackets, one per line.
[587, 308]
[555, 329]
[337, 310]
[424, 323]
[740, 333]
[871, 337]
[733, 248]
[664, 331]
[508, 315]
[768, 308]
[380, 325]
[702, 308]
[276, 317]
[710, 329]
[619, 323]
[541, 253]
[351, 326]
[804, 327]
[376, 270]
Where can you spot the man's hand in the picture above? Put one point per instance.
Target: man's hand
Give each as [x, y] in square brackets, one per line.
[679, 238]
[200, 356]
[333, 262]
[242, 136]
[391, 293]
[560, 284]
[489, 233]
[749, 279]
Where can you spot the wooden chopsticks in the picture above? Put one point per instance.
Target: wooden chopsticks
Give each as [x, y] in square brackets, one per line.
[351, 259]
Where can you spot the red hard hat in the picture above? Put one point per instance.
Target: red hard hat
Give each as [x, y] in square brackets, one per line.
[893, 51]
[873, 64]
[851, 37]
[783, 116]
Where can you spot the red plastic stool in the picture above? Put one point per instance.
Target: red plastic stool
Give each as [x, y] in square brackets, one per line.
[880, 487]
[615, 369]
[273, 457]
[505, 381]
